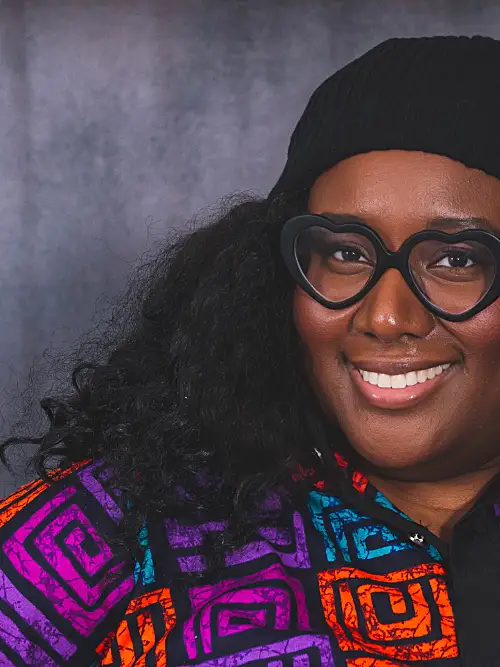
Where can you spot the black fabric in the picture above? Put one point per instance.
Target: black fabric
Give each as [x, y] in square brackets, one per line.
[438, 95]
[474, 568]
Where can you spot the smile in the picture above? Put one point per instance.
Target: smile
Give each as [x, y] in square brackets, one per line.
[403, 380]
[400, 390]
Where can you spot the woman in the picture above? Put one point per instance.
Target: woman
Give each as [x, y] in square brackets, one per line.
[291, 455]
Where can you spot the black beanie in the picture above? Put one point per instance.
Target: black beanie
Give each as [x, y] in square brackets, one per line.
[438, 95]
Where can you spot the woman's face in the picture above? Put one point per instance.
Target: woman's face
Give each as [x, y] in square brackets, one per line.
[427, 432]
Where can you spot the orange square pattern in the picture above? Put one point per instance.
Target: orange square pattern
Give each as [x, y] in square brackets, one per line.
[371, 662]
[143, 625]
[347, 589]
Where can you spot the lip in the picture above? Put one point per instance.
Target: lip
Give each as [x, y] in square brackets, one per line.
[398, 399]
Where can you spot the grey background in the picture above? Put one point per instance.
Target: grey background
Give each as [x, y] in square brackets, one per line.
[121, 118]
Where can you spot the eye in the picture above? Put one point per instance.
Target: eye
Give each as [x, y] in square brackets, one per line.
[456, 259]
[347, 254]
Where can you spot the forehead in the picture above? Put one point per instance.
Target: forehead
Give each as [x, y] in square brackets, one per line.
[398, 192]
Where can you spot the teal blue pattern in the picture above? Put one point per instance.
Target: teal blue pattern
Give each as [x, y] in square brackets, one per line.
[144, 571]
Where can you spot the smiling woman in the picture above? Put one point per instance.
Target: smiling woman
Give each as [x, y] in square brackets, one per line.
[290, 454]
[419, 430]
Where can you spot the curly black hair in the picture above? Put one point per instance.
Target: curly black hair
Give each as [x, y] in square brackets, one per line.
[206, 389]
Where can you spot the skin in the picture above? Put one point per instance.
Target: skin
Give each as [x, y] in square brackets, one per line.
[434, 458]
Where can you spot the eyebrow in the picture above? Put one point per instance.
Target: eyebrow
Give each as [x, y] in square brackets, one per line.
[436, 223]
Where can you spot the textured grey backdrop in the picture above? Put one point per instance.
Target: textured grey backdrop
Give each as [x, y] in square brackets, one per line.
[120, 118]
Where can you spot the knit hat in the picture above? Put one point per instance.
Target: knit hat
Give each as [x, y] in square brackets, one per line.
[438, 95]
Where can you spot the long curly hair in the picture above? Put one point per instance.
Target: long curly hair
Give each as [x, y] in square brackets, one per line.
[203, 401]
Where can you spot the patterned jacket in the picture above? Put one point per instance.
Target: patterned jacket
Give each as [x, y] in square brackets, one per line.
[345, 580]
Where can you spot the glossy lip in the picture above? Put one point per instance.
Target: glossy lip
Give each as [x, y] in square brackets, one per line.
[397, 399]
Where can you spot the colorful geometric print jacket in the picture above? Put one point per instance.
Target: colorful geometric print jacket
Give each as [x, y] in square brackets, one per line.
[344, 581]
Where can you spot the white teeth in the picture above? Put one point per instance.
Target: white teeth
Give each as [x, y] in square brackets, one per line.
[422, 376]
[384, 380]
[402, 380]
[398, 381]
[411, 379]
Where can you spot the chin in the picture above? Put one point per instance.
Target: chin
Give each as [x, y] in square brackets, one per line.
[410, 462]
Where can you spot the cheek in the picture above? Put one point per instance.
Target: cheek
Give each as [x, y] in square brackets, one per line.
[317, 326]
[323, 333]
[480, 338]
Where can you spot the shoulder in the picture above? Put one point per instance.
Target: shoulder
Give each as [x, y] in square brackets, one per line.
[63, 582]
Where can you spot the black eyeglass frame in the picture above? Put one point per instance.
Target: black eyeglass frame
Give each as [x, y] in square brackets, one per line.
[386, 259]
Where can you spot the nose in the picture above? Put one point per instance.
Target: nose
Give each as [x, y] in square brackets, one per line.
[391, 311]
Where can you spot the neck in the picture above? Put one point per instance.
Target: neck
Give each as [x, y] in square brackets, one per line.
[436, 505]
